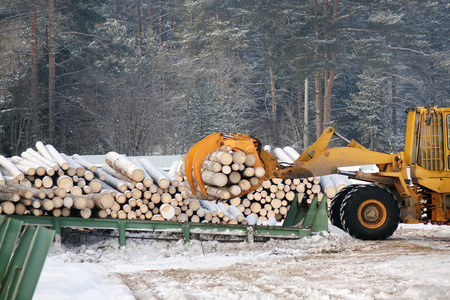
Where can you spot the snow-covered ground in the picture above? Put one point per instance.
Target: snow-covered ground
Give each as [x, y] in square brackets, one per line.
[413, 264]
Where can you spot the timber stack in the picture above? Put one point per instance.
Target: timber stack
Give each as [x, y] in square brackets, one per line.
[46, 182]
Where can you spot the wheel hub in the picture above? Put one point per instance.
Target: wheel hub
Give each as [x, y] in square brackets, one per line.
[372, 214]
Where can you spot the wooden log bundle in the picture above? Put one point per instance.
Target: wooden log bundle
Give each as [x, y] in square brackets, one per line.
[226, 174]
[135, 189]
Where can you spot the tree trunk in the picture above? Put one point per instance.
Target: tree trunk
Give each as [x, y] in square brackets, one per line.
[319, 106]
[51, 71]
[139, 25]
[35, 126]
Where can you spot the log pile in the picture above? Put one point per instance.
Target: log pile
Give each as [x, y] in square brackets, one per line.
[227, 174]
[46, 182]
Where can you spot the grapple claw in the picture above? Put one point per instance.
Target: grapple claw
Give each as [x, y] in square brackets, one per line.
[198, 153]
[195, 157]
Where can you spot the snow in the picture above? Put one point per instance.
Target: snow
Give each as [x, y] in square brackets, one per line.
[413, 264]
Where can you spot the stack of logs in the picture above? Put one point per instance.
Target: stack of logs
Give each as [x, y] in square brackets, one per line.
[227, 173]
[47, 182]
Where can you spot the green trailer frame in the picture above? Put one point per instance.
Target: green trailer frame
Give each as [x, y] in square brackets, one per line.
[302, 220]
[23, 250]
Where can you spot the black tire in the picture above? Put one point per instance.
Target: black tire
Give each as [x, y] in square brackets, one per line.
[370, 212]
[335, 208]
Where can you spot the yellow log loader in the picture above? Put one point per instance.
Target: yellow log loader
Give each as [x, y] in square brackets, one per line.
[411, 186]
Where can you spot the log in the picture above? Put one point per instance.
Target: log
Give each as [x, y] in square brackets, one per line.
[212, 166]
[84, 163]
[245, 185]
[239, 157]
[9, 197]
[250, 160]
[291, 152]
[116, 183]
[339, 181]
[225, 169]
[18, 189]
[42, 150]
[116, 174]
[20, 209]
[47, 182]
[65, 182]
[68, 202]
[126, 167]
[100, 174]
[217, 179]
[11, 168]
[221, 193]
[57, 157]
[85, 213]
[234, 177]
[8, 208]
[31, 154]
[260, 172]
[27, 170]
[79, 169]
[147, 181]
[157, 175]
[79, 202]
[224, 158]
[47, 204]
[255, 207]
[167, 211]
[65, 212]
[248, 172]
[282, 156]
[328, 187]
[102, 201]
[236, 213]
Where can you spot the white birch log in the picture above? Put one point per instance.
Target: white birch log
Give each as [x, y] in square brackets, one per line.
[282, 156]
[126, 167]
[42, 150]
[39, 169]
[65, 182]
[339, 181]
[79, 169]
[291, 152]
[239, 157]
[37, 156]
[11, 168]
[167, 211]
[157, 175]
[147, 181]
[217, 179]
[212, 166]
[83, 162]
[236, 213]
[57, 157]
[174, 168]
[328, 187]
[8, 207]
[224, 158]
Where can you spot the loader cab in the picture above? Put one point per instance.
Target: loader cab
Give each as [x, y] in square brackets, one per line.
[427, 147]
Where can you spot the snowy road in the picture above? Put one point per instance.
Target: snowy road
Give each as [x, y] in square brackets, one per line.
[413, 264]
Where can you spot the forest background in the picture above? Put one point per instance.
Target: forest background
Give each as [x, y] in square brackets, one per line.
[153, 77]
